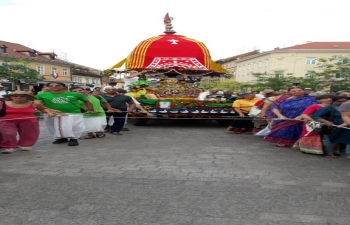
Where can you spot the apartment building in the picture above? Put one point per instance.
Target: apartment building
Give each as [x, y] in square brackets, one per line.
[48, 66]
[298, 60]
[230, 63]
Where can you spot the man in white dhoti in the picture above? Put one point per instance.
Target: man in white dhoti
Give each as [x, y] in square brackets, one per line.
[96, 122]
[70, 124]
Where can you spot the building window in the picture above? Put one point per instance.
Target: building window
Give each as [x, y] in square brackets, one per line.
[309, 74]
[260, 63]
[97, 81]
[2, 49]
[311, 61]
[40, 70]
[53, 70]
[32, 54]
[75, 79]
[266, 62]
[80, 80]
[87, 80]
[64, 72]
[254, 65]
[279, 74]
[342, 60]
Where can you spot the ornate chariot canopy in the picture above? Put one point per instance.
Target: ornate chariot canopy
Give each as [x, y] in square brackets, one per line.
[170, 51]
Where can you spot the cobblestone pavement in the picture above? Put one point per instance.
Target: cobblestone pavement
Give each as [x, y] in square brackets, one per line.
[178, 172]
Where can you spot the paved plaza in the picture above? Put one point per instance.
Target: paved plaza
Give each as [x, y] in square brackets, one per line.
[172, 173]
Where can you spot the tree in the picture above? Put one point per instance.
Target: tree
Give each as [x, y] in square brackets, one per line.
[333, 73]
[18, 72]
[275, 81]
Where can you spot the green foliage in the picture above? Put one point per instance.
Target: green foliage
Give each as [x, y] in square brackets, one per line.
[225, 85]
[333, 72]
[275, 82]
[14, 71]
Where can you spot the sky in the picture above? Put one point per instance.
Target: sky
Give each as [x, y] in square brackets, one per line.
[100, 33]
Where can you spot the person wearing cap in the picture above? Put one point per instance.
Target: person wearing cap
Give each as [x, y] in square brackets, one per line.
[19, 120]
[70, 124]
[121, 102]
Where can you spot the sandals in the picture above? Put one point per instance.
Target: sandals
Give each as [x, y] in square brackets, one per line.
[8, 151]
[280, 145]
[116, 133]
[230, 128]
[100, 135]
[331, 156]
[89, 136]
[25, 148]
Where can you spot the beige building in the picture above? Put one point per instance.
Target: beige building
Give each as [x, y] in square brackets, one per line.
[230, 63]
[298, 60]
[48, 67]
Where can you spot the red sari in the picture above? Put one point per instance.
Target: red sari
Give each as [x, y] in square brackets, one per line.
[309, 141]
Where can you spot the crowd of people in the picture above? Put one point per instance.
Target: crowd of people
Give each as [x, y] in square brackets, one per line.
[69, 115]
[287, 118]
[298, 118]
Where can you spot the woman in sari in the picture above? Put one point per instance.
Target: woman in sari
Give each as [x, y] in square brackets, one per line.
[309, 141]
[287, 129]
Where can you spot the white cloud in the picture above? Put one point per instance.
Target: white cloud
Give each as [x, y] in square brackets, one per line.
[100, 33]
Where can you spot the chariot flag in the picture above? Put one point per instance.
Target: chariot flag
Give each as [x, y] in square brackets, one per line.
[54, 75]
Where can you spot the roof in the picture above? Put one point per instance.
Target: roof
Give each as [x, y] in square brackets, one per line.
[319, 45]
[308, 46]
[14, 50]
[236, 57]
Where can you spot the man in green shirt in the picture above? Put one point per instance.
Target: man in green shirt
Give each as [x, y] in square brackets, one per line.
[94, 123]
[70, 124]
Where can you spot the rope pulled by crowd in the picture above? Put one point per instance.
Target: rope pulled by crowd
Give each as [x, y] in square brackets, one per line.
[177, 118]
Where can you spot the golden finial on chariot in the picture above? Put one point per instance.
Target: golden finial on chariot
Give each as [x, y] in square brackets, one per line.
[168, 25]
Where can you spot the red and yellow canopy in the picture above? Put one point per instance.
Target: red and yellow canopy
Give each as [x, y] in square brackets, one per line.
[170, 51]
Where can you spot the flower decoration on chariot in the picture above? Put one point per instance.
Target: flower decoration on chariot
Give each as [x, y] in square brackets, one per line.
[172, 80]
[142, 77]
[141, 82]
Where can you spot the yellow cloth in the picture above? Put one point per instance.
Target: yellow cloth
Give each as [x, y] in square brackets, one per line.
[244, 104]
[142, 91]
[136, 94]
[133, 94]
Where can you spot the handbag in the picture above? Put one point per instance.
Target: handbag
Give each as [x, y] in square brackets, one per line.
[264, 132]
[254, 111]
[325, 129]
